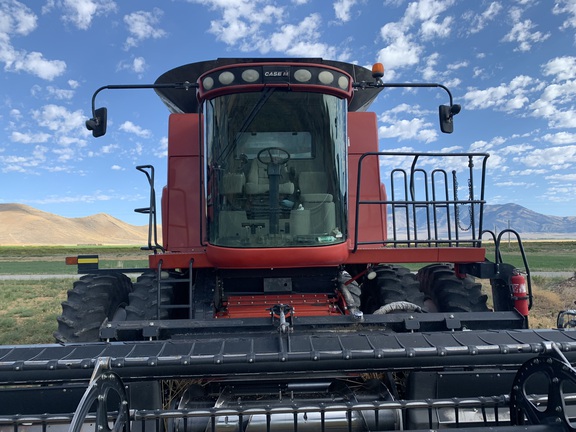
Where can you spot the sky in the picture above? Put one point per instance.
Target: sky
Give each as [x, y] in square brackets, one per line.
[511, 64]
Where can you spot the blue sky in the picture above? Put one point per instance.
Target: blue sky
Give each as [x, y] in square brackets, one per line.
[511, 64]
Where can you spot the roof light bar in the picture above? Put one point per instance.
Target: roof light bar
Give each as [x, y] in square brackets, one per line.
[275, 74]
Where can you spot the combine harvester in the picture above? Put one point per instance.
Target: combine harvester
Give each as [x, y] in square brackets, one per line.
[277, 300]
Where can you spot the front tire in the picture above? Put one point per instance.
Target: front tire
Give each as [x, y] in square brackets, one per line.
[93, 299]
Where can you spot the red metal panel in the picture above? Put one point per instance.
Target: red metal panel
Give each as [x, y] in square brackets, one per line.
[258, 306]
[363, 134]
[184, 191]
[417, 255]
[254, 258]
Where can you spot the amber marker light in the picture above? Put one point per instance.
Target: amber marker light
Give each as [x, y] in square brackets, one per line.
[377, 70]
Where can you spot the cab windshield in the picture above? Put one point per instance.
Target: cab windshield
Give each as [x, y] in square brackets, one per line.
[276, 169]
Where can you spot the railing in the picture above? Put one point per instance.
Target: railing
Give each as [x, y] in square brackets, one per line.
[455, 413]
[427, 208]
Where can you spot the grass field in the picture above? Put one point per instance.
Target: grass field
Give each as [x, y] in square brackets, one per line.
[30, 307]
[51, 259]
[542, 257]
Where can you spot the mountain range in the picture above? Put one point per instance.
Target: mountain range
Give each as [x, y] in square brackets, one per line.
[24, 225]
[526, 221]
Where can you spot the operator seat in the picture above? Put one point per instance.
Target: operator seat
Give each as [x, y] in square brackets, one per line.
[257, 182]
[314, 196]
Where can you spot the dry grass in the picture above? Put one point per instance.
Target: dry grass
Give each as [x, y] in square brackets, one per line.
[550, 296]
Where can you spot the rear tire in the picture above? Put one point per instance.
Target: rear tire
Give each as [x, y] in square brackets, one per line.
[93, 299]
[451, 293]
[143, 300]
[394, 284]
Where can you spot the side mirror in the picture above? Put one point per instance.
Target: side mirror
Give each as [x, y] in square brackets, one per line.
[97, 124]
[447, 114]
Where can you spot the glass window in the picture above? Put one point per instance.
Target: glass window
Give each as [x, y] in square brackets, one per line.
[276, 169]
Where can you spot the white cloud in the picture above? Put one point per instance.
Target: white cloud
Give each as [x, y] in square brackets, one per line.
[34, 63]
[18, 19]
[458, 65]
[58, 118]
[15, 114]
[300, 40]
[513, 184]
[421, 17]
[555, 105]
[515, 149]
[432, 29]
[54, 199]
[162, 150]
[81, 12]
[130, 127]
[403, 129]
[28, 138]
[137, 65]
[110, 148]
[142, 25]
[259, 25]
[508, 97]
[342, 9]
[479, 21]
[566, 7]
[66, 127]
[563, 68]
[552, 157]
[522, 32]
[560, 138]
[400, 50]
[562, 177]
[59, 94]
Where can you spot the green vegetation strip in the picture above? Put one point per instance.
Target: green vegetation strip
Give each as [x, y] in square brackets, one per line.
[51, 259]
[542, 256]
[29, 310]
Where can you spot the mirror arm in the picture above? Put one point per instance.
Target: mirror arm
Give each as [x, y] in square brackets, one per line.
[380, 84]
[184, 85]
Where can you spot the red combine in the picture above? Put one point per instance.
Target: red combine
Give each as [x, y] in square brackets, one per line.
[305, 280]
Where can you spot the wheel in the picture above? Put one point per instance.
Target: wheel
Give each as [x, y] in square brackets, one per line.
[451, 293]
[92, 300]
[392, 284]
[143, 300]
[398, 284]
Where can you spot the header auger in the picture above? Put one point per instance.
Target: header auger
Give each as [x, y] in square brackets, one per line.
[305, 280]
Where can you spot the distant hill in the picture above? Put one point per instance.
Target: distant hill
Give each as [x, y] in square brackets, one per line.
[526, 221]
[25, 225]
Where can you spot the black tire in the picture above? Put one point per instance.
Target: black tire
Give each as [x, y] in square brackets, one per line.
[92, 300]
[397, 284]
[143, 300]
[451, 293]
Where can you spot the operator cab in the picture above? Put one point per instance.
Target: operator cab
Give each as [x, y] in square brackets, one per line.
[276, 165]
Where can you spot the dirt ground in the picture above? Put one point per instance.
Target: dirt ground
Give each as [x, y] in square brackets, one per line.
[550, 297]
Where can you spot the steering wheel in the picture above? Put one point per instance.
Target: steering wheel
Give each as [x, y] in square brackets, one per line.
[273, 156]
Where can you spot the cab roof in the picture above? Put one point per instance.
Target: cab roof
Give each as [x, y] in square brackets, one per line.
[179, 101]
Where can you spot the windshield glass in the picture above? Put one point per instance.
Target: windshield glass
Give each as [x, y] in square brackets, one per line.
[276, 169]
